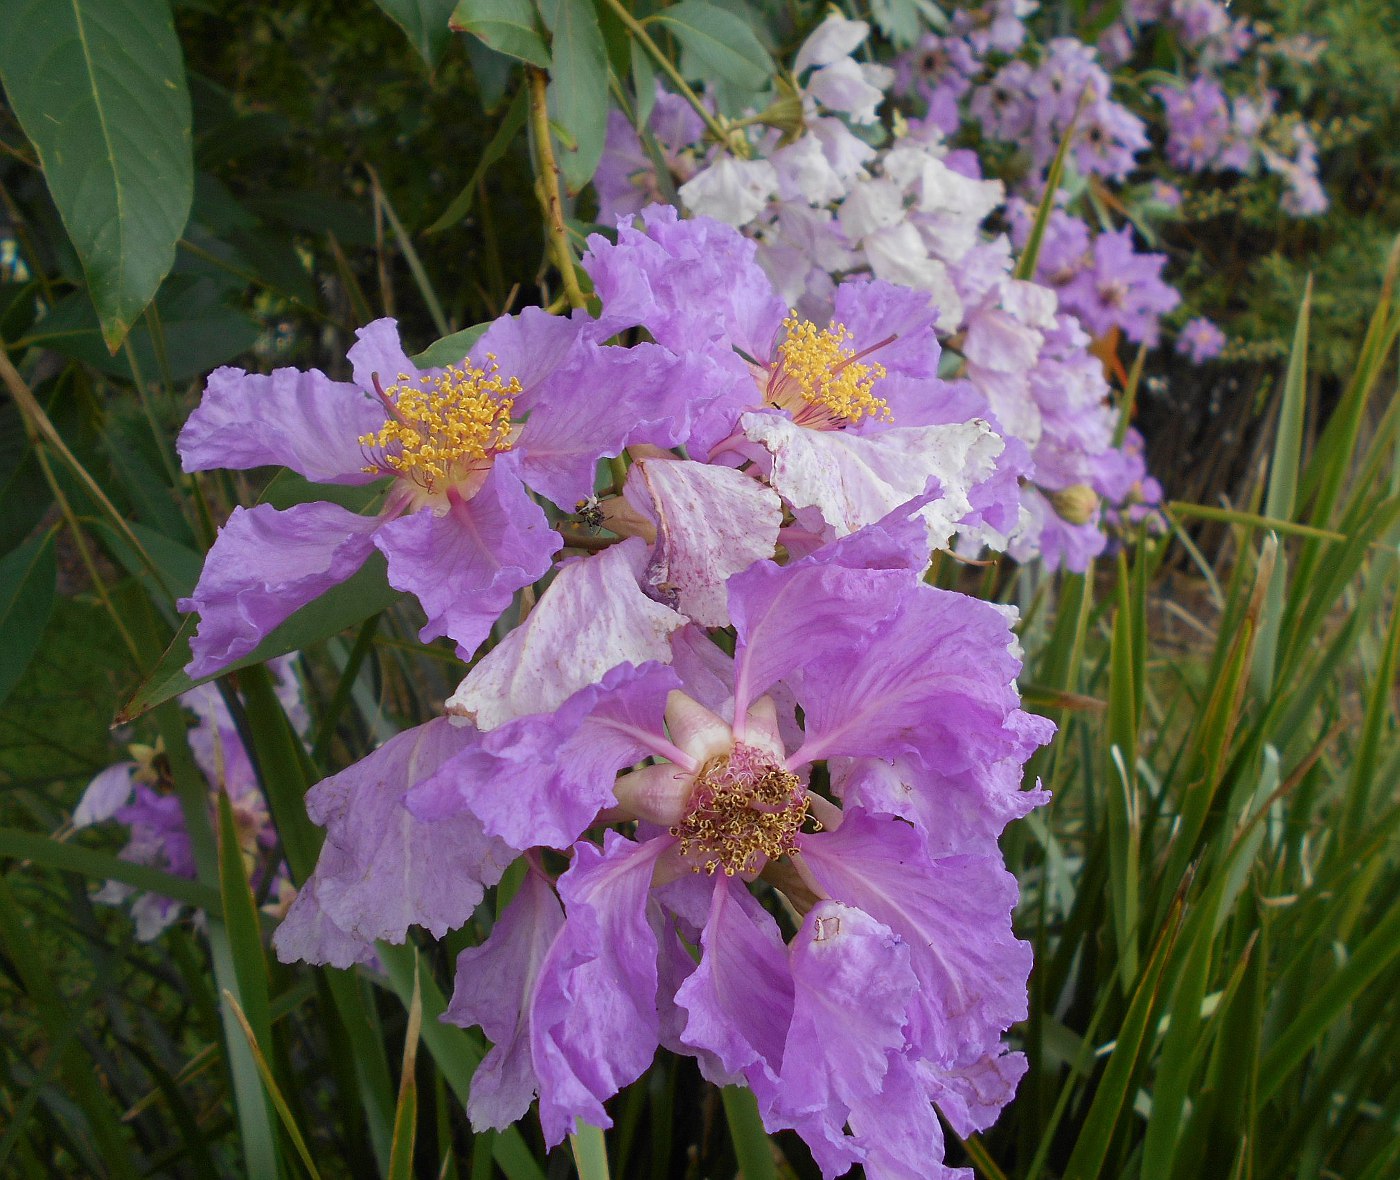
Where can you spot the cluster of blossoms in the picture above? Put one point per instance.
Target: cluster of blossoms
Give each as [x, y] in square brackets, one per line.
[755, 766]
[986, 80]
[822, 204]
[137, 793]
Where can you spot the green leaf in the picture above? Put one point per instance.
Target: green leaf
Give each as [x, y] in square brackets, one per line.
[27, 579]
[354, 600]
[507, 26]
[99, 866]
[450, 349]
[723, 42]
[199, 332]
[578, 87]
[424, 23]
[99, 88]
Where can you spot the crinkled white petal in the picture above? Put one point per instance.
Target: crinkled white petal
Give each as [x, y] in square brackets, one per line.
[729, 190]
[855, 480]
[592, 618]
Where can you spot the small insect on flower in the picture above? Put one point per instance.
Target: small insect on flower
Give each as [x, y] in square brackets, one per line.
[590, 513]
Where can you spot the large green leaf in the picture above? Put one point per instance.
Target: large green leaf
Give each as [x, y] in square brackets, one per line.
[723, 42]
[578, 86]
[99, 88]
[424, 23]
[507, 26]
[27, 578]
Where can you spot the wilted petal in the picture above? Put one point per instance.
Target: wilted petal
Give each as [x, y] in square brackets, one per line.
[729, 190]
[711, 522]
[835, 38]
[972, 1096]
[304, 421]
[592, 618]
[381, 869]
[308, 935]
[465, 565]
[263, 566]
[854, 480]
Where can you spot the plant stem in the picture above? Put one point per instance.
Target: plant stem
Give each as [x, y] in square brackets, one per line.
[548, 188]
[735, 144]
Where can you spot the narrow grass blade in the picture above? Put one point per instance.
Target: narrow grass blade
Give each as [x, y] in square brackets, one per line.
[99, 866]
[406, 1112]
[1025, 265]
[1288, 437]
[279, 1102]
[456, 1053]
[751, 1143]
[590, 1153]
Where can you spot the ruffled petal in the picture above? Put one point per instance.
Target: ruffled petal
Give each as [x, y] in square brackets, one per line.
[495, 988]
[739, 1000]
[378, 352]
[539, 781]
[853, 985]
[936, 684]
[264, 565]
[304, 421]
[955, 914]
[688, 282]
[465, 565]
[607, 398]
[594, 1026]
[530, 347]
[381, 869]
[592, 618]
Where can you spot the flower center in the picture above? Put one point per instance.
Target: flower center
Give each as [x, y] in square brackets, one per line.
[441, 427]
[819, 379]
[744, 808]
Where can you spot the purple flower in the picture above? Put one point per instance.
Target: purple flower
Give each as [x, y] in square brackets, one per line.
[847, 421]
[1198, 123]
[537, 402]
[1124, 289]
[902, 893]
[1200, 340]
[137, 793]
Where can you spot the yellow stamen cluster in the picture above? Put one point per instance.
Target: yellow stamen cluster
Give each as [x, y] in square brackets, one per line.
[820, 366]
[744, 807]
[442, 424]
